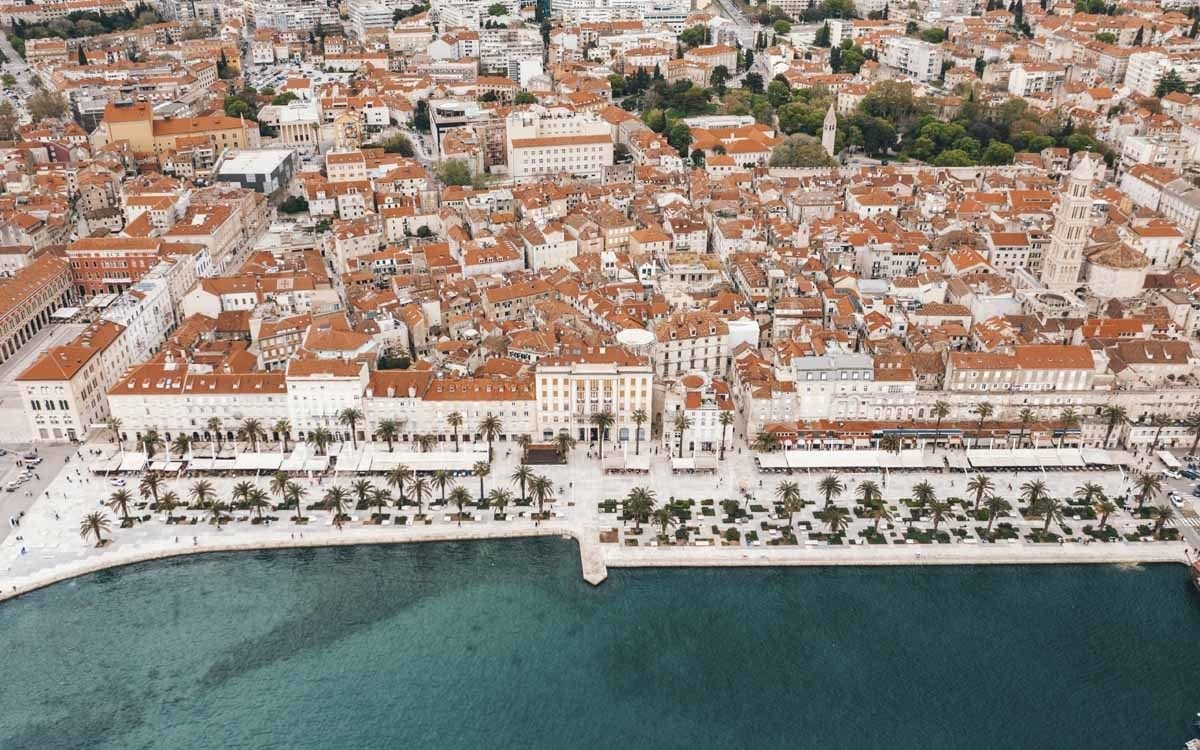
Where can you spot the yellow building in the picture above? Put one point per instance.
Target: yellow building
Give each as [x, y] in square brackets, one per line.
[135, 123]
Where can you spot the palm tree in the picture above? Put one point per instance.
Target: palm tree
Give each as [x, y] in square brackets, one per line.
[602, 421]
[295, 492]
[524, 441]
[181, 444]
[789, 495]
[521, 474]
[869, 493]
[420, 491]
[94, 524]
[1113, 415]
[1148, 486]
[382, 497]
[455, 420]
[202, 493]
[1051, 510]
[498, 498]
[460, 497]
[278, 486]
[880, 512]
[983, 411]
[1032, 493]
[241, 492]
[980, 484]
[150, 485]
[1105, 508]
[996, 507]
[766, 441]
[284, 428]
[939, 510]
[319, 439]
[258, 499]
[682, 424]
[216, 516]
[1160, 421]
[640, 418]
[214, 426]
[941, 410]
[397, 477]
[542, 490]
[1070, 420]
[664, 517]
[251, 430]
[890, 443]
[1163, 514]
[1089, 492]
[564, 444]
[442, 480]
[114, 425]
[151, 442]
[168, 502]
[1026, 416]
[831, 487]
[836, 518]
[1193, 425]
[388, 430]
[490, 428]
[335, 498]
[119, 502]
[362, 489]
[351, 417]
[924, 494]
[481, 469]
[428, 442]
[639, 503]
[726, 419]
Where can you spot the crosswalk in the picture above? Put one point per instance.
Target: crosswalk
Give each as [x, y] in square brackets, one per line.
[1193, 521]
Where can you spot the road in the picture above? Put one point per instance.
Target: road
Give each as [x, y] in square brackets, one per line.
[747, 30]
[12, 416]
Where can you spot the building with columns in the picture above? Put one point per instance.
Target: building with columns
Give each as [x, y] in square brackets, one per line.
[574, 386]
[29, 298]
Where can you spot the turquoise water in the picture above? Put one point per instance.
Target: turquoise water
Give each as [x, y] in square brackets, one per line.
[502, 645]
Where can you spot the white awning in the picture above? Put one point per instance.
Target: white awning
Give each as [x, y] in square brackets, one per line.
[295, 462]
[316, 463]
[638, 462]
[1100, 457]
[777, 460]
[257, 462]
[132, 461]
[683, 464]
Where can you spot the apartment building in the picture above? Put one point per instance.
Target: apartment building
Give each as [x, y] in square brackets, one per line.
[691, 341]
[914, 58]
[29, 297]
[541, 141]
[1032, 367]
[135, 123]
[574, 386]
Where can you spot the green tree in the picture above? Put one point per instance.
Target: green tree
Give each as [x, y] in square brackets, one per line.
[295, 204]
[398, 144]
[822, 37]
[94, 524]
[1170, 82]
[524, 97]
[454, 172]
[800, 150]
[831, 487]
[781, 27]
[46, 104]
[497, 9]
[680, 137]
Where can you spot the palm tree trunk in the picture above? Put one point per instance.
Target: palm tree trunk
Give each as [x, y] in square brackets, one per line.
[1103, 521]
[937, 431]
[722, 457]
[991, 520]
[637, 438]
[456, 440]
[1195, 442]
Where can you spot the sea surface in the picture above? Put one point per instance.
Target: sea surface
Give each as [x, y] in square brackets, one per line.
[502, 645]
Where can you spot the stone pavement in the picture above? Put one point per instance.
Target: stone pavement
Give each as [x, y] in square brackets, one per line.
[53, 549]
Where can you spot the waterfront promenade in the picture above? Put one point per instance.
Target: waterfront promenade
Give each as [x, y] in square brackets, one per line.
[54, 551]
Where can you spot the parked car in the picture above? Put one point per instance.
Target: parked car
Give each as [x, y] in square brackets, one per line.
[1177, 501]
[117, 482]
[12, 486]
[1189, 474]
[1172, 474]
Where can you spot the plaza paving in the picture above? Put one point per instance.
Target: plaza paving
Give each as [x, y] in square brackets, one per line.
[47, 546]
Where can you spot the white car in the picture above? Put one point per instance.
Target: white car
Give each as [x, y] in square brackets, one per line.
[118, 482]
[1177, 501]
[1171, 473]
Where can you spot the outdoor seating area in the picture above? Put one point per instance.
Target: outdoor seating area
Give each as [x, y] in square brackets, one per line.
[983, 459]
[302, 460]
